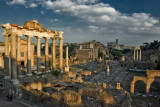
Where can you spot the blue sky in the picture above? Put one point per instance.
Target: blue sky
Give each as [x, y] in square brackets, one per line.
[133, 22]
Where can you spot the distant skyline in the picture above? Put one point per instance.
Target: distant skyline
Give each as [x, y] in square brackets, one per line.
[133, 22]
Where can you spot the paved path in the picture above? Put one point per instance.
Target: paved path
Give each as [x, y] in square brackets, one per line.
[5, 103]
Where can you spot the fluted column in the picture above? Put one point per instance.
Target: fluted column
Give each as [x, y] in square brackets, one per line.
[29, 55]
[61, 54]
[134, 55]
[6, 62]
[140, 55]
[18, 55]
[13, 57]
[46, 55]
[53, 53]
[137, 55]
[38, 55]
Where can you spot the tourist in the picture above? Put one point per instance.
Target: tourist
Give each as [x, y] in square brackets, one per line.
[11, 97]
[8, 97]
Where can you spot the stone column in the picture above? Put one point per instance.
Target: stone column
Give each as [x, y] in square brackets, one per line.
[137, 54]
[38, 55]
[61, 54]
[53, 53]
[18, 55]
[134, 55]
[67, 66]
[7, 57]
[107, 70]
[132, 89]
[29, 55]
[140, 55]
[13, 57]
[46, 55]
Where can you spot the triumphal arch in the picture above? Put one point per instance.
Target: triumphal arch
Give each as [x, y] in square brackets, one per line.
[151, 74]
[30, 29]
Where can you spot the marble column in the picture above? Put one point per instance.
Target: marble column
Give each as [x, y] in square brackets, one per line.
[137, 54]
[61, 54]
[13, 57]
[18, 55]
[46, 55]
[134, 55]
[53, 53]
[67, 66]
[29, 55]
[7, 56]
[38, 55]
[140, 55]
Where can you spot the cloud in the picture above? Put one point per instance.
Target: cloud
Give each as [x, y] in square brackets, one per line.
[64, 29]
[33, 5]
[109, 20]
[93, 28]
[42, 12]
[54, 20]
[16, 2]
[103, 18]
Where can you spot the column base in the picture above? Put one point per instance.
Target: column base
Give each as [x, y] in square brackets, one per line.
[7, 77]
[15, 81]
[29, 74]
[67, 69]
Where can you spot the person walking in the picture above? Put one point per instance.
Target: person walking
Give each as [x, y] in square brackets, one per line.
[8, 97]
[11, 97]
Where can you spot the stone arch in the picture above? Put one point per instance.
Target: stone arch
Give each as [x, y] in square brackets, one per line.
[135, 79]
[155, 84]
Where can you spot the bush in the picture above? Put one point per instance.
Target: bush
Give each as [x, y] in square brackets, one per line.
[55, 72]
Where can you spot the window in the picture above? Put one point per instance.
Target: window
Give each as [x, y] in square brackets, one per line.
[22, 54]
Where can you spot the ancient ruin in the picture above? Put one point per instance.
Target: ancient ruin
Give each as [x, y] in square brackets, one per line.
[151, 74]
[30, 29]
[138, 56]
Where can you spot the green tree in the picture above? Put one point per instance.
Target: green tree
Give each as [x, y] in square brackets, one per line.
[116, 53]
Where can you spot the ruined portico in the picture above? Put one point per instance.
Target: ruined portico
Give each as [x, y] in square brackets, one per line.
[138, 56]
[30, 29]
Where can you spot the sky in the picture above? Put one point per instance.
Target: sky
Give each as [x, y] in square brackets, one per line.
[133, 22]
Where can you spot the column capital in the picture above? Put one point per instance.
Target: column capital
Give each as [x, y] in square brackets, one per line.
[38, 37]
[53, 38]
[46, 38]
[60, 38]
[28, 36]
[6, 35]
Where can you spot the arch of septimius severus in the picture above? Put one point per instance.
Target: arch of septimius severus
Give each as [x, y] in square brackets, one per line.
[30, 29]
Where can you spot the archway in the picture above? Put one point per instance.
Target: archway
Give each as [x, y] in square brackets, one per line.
[140, 87]
[155, 87]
